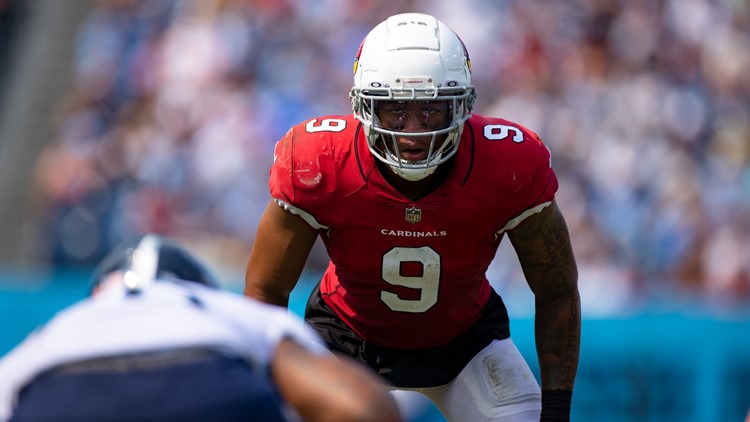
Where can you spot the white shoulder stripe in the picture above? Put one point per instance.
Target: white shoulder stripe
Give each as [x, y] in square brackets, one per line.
[303, 214]
[512, 224]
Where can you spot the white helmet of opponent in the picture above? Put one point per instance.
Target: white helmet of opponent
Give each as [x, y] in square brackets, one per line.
[412, 57]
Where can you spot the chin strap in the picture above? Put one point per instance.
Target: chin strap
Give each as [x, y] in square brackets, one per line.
[412, 175]
[419, 173]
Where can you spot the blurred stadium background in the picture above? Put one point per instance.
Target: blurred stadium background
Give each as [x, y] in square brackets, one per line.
[119, 117]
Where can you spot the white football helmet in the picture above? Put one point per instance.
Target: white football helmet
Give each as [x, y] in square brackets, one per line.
[412, 57]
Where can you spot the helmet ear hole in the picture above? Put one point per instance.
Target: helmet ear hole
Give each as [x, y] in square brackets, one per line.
[412, 57]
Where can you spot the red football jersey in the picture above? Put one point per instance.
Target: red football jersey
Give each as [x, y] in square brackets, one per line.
[410, 274]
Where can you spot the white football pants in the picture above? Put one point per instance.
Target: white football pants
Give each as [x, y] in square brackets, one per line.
[497, 385]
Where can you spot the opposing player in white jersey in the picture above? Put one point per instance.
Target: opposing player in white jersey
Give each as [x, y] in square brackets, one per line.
[157, 340]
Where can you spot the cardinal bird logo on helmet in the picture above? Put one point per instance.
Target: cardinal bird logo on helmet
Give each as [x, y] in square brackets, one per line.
[359, 53]
[466, 53]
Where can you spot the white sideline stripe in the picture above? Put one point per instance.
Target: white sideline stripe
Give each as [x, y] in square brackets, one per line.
[304, 214]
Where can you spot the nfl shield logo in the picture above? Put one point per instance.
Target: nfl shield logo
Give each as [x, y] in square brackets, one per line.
[413, 215]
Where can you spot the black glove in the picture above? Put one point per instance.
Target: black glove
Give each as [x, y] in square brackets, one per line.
[556, 405]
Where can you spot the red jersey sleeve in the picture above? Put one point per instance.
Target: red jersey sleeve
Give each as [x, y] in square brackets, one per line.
[543, 183]
[301, 169]
[310, 164]
[512, 170]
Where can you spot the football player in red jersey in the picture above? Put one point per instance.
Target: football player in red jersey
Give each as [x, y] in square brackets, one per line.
[411, 196]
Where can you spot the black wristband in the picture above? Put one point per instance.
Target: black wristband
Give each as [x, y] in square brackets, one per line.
[556, 405]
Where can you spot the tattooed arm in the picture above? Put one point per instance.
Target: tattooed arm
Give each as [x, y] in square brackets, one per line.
[542, 244]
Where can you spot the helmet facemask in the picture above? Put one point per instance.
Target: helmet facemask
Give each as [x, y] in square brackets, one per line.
[441, 117]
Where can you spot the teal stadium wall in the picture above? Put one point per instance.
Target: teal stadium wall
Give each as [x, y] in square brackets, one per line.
[649, 366]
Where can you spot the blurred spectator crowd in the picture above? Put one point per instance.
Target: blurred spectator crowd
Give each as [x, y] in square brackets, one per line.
[645, 105]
